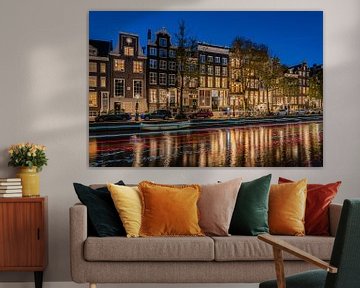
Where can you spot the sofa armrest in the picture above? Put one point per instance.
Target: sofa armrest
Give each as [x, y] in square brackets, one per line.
[78, 235]
[334, 217]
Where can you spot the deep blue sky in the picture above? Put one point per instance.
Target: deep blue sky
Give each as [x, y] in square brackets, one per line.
[293, 36]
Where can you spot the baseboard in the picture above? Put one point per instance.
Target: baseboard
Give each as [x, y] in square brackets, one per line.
[74, 285]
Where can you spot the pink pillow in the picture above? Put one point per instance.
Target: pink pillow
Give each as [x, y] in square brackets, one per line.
[216, 206]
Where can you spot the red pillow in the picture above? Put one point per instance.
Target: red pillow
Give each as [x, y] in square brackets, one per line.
[319, 197]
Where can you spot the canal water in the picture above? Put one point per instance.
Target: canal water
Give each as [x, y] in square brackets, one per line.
[285, 145]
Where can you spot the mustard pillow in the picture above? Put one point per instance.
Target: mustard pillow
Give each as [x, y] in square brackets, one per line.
[287, 204]
[127, 201]
[169, 210]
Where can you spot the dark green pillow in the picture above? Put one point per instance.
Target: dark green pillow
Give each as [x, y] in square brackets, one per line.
[103, 218]
[250, 216]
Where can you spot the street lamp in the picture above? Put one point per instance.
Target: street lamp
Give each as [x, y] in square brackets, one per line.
[234, 106]
[137, 96]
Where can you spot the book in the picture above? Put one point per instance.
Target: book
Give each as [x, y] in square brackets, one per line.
[10, 187]
[10, 180]
[10, 191]
[10, 183]
[2, 195]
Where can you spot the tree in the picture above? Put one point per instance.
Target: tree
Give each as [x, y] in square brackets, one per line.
[270, 77]
[250, 60]
[316, 85]
[187, 68]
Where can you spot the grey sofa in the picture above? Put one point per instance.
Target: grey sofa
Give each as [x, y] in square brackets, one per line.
[234, 259]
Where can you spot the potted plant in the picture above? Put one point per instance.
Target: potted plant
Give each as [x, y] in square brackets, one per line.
[30, 158]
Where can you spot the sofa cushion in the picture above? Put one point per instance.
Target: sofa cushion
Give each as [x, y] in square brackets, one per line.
[244, 248]
[149, 249]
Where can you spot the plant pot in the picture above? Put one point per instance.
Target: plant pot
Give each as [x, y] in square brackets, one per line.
[30, 181]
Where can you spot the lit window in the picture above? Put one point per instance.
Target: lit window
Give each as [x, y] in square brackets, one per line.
[172, 79]
[202, 58]
[162, 79]
[162, 53]
[102, 68]
[217, 59]
[93, 99]
[172, 65]
[172, 54]
[217, 82]
[129, 51]
[202, 81]
[224, 83]
[224, 61]
[153, 63]
[202, 69]
[92, 81]
[93, 67]
[210, 82]
[103, 81]
[137, 88]
[119, 87]
[153, 96]
[119, 65]
[224, 71]
[162, 65]
[217, 70]
[162, 96]
[152, 51]
[210, 59]
[104, 102]
[192, 83]
[153, 78]
[210, 70]
[138, 67]
[163, 42]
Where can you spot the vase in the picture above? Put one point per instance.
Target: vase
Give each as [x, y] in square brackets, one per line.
[30, 181]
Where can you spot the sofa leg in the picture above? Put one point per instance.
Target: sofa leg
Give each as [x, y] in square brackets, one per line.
[92, 285]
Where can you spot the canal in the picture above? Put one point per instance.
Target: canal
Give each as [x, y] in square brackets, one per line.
[285, 145]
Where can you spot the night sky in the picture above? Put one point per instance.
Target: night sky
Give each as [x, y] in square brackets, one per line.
[293, 36]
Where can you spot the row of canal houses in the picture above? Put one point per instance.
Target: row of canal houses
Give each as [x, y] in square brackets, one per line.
[127, 78]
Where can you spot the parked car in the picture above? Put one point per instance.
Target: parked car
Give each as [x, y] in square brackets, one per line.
[158, 114]
[281, 112]
[301, 112]
[122, 116]
[201, 114]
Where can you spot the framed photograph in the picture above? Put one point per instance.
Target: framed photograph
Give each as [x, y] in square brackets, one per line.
[205, 88]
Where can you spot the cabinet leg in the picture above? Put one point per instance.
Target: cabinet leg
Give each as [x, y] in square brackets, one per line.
[38, 279]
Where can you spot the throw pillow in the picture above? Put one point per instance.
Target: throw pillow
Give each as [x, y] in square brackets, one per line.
[287, 204]
[250, 215]
[318, 200]
[127, 201]
[216, 206]
[169, 210]
[103, 218]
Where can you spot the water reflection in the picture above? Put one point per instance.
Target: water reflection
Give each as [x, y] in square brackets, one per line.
[290, 145]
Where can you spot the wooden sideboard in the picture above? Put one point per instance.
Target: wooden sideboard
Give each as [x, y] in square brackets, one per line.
[23, 235]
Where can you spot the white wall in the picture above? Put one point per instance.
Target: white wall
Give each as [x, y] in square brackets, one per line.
[43, 90]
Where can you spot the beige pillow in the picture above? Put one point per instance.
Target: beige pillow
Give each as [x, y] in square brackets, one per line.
[216, 206]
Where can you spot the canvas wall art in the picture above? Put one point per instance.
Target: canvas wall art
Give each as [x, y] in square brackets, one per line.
[205, 88]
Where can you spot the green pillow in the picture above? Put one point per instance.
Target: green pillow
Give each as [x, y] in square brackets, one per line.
[250, 216]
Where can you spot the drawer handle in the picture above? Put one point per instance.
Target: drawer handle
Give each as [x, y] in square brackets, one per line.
[38, 234]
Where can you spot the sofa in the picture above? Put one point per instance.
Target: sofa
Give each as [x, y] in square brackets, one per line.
[233, 259]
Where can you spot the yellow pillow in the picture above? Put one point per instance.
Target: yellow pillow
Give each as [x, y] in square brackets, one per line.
[127, 201]
[287, 204]
[169, 210]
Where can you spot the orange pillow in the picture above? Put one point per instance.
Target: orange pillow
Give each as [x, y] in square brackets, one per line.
[287, 204]
[318, 200]
[169, 210]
